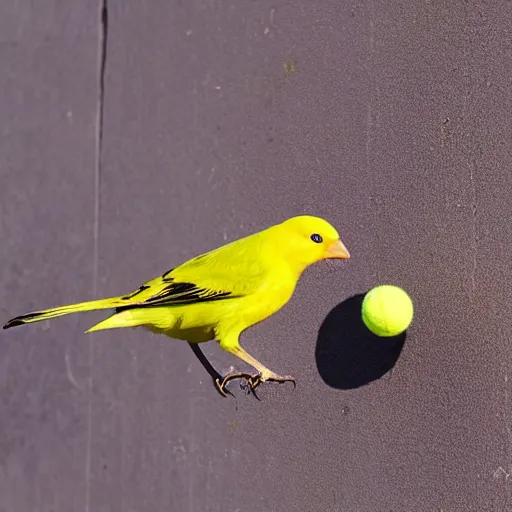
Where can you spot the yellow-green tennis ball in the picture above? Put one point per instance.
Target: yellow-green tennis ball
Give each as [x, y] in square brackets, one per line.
[387, 310]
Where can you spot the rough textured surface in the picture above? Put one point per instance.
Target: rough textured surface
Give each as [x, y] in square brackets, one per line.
[48, 126]
[391, 120]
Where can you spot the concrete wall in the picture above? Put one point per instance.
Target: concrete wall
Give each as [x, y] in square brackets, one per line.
[209, 120]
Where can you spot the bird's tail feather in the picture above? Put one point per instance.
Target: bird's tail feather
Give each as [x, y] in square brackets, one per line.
[154, 319]
[127, 318]
[46, 314]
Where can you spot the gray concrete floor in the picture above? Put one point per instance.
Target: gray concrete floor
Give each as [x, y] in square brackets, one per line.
[392, 120]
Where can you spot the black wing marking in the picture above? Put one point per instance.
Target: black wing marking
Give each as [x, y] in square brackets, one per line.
[135, 293]
[178, 293]
[145, 287]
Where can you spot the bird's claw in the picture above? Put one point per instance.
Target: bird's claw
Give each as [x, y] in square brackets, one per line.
[221, 383]
[253, 381]
[281, 380]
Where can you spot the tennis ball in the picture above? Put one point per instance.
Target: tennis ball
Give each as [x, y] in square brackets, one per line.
[387, 310]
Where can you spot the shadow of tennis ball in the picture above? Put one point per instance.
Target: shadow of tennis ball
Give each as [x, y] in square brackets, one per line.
[348, 355]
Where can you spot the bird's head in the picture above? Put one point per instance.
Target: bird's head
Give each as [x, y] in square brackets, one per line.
[308, 239]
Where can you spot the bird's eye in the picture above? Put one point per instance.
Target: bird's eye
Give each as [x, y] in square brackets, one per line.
[316, 238]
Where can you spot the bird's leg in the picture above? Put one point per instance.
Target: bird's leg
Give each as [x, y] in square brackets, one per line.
[264, 374]
[219, 381]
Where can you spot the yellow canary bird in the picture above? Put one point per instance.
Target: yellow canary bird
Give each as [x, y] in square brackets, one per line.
[219, 294]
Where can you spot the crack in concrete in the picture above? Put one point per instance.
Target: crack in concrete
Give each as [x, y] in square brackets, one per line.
[103, 36]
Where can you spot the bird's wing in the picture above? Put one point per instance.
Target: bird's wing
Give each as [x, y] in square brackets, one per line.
[233, 271]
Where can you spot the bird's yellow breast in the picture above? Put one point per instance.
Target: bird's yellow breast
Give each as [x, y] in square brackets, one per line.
[266, 302]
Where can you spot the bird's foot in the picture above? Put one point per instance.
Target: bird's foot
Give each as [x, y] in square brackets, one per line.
[278, 378]
[253, 381]
[221, 382]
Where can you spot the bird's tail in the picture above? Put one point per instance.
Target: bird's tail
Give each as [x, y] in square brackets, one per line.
[126, 318]
[46, 314]
[157, 320]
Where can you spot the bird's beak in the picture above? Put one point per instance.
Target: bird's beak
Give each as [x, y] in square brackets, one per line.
[337, 250]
